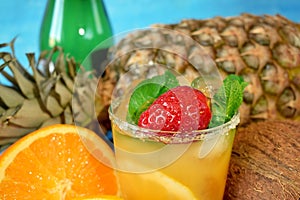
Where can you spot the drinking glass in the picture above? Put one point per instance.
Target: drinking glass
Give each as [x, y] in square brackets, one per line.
[155, 164]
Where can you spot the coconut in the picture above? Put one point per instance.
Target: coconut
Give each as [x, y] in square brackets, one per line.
[265, 162]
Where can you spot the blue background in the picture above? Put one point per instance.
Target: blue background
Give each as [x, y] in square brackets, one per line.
[23, 18]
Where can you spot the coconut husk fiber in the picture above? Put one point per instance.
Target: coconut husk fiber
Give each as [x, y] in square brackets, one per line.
[265, 162]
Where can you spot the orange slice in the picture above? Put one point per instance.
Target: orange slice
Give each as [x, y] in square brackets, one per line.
[54, 163]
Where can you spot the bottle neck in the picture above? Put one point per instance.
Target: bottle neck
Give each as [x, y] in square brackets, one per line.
[78, 26]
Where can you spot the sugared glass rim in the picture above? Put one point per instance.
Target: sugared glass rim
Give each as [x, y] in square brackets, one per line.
[168, 137]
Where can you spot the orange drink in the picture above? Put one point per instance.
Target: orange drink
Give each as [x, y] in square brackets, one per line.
[153, 165]
[172, 140]
[196, 170]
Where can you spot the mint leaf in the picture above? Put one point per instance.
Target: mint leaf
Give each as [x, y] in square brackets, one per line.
[227, 100]
[146, 92]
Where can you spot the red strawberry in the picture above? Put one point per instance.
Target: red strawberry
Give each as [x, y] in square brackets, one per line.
[181, 108]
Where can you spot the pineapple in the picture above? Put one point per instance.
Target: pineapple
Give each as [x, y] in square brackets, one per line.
[265, 50]
[41, 96]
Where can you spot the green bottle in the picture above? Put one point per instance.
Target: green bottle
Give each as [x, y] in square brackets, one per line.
[79, 27]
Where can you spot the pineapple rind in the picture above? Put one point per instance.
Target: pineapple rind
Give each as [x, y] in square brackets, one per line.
[265, 50]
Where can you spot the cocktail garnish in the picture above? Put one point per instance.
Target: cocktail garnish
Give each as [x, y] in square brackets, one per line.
[227, 100]
[182, 108]
[160, 103]
[146, 92]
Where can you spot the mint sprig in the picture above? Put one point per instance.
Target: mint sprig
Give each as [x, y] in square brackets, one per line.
[227, 100]
[146, 92]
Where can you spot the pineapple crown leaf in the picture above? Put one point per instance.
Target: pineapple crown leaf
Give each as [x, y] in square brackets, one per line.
[51, 90]
[45, 91]
[27, 87]
[2, 66]
[37, 114]
[10, 96]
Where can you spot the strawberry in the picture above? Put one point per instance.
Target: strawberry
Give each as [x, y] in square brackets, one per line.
[182, 108]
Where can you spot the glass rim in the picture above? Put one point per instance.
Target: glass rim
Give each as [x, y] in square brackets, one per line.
[137, 132]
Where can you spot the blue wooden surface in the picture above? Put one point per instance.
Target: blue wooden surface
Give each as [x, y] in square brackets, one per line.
[23, 18]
